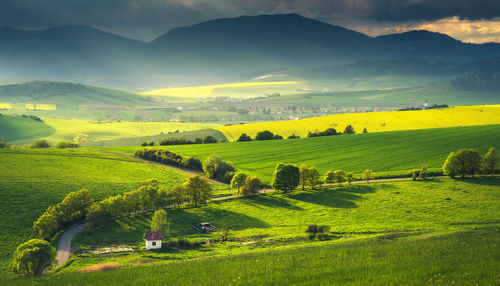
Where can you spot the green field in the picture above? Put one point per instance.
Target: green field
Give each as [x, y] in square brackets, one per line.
[17, 128]
[33, 179]
[382, 224]
[387, 153]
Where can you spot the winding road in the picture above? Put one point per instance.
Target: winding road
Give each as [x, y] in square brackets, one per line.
[64, 245]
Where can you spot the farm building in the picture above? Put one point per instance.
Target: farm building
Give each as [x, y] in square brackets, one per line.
[153, 239]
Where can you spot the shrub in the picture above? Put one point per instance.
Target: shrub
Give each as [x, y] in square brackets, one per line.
[293, 136]
[244, 137]
[327, 132]
[264, 135]
[277, 137]
[67, 144]
[349, 129]
[217, 169]
[33, 257]
[148, 143]
[3, 144]
[192, 164]
[42, 143]
[198, 140]
[174, 141]
[169, 158]
[319, 231]
[209, 139]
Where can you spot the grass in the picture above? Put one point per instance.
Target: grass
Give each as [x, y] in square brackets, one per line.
[387, 153]
[448, 228]
[374, 121]
[17, 128]
[244, 89]
[33, 179]
[99, 131]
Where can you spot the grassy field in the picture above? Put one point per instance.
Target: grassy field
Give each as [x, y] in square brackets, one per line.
[240, 90]
[33, 179]
[111, 130]
[385, 225]
[387, 153]
[374, 121]
[18, 128]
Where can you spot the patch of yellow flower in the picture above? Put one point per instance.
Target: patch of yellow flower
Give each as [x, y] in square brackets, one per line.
[5, 106]
[31, 106]
[374, 121]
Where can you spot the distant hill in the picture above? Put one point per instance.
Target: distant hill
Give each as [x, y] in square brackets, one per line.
[67, 93]
[17, 127]
[215, 50]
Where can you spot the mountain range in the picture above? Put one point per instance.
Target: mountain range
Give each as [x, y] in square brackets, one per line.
[217, 50]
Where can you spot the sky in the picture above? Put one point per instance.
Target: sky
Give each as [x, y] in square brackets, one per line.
[467, 20]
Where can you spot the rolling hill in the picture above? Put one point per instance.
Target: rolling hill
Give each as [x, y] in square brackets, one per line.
[18, 128]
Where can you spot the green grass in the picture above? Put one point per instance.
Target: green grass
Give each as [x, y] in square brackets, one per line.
[387, 153]
[450, 235]
[17, 127]
[33, 179]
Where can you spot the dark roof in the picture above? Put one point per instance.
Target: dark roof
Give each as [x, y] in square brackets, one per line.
[154, 235]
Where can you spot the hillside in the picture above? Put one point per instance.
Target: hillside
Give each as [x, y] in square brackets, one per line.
[386, 153]
[17, 128]
[66, 93]
[374, 121]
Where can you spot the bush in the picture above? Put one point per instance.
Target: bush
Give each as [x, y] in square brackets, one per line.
[349, 129]
[244, 137]
[3, 144]
[277, 137]
[40, 144]
[293, 136]
[327, 132]
[67, 144]
[319, 231]
[174, 141]
[217, 169]
[264, 135]
[33, 257]
[192, 164]
[148, 143]
[198, 140]
[169, 158]
[209, 139]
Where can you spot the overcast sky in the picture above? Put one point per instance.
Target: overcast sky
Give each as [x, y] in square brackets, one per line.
[467, 20]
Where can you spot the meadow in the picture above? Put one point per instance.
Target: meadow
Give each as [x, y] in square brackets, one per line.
[374, 121]
[387, 153]
[33, 179]
[17, 128]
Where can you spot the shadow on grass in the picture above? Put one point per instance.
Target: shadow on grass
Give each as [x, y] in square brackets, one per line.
[271, 201]
[481, 180]
[334, 198]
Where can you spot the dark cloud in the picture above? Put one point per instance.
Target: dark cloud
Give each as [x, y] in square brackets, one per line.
[147, 18]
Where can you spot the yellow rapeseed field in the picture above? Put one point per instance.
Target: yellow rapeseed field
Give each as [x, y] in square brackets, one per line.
[374, 121]
[207, 90]
[30, 106]
[5, 106]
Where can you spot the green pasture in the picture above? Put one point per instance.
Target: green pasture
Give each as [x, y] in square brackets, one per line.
[387, 153]
[16, 128]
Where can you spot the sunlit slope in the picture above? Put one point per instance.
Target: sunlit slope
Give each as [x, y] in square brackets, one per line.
[17, 128]
[232, 89]
[375, 121]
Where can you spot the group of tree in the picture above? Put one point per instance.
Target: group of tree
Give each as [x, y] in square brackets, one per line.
[318, 231]
[245, 185]
[309, 176]
[169, 158]
[42, 143]
[3, 144]
[470, 162]
[195, 191]
[434, 106]
[331, 132]
[218, 169]
[73, 208]
[67, 144]
[209, 139]
[419, 174]
[267, 135]
[338, 176]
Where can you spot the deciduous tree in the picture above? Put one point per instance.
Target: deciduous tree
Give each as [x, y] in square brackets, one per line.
[33, 257]
[286, 177]
[368, 175]
[491, 161]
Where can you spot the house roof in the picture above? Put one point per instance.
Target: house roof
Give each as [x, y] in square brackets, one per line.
[154, 235]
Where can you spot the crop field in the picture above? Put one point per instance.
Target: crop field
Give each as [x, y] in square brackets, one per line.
[33, 179]
[387, 153]
[111, 130]
[16, 128]
[434, 260]
[374, 121]
[243, 90]
[266, 223]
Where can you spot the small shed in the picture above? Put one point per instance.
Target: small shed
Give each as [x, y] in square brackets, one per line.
[206, 226]
[153, 239]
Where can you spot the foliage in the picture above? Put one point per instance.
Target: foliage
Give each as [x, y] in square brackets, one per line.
[67, 144]
[3, 144]
[198, 190]
[450, 166]
[286, 177]
[171, 141]
[42, 143]
[491, 161]
[159, 222]
[237, 182]
[339, 176]
[368, 175]
[329, 178]
[33, 257]
[177, 195]
[293, 136]
[217, 169]
[313, 177]
[303, 175]
[209, 139]
[264, 135]
[147, 143]
[327, 132]
[463, 162]
[169, 158]
[349, 130]
[349, 177]
[319, 231]
[252, 186]
[244, 137]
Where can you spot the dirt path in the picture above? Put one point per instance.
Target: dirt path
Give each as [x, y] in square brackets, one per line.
[64, 245]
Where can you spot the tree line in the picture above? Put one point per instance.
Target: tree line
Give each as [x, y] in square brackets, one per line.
[470, 162]
[169, 158]
[209, 139]
[268, 135]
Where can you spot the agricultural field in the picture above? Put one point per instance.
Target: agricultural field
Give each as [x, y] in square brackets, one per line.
[14, 128]
[379, 215]
[97, 131]
[33, 179]
[387, 153]
[374, 121]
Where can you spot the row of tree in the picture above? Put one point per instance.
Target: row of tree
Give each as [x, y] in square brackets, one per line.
[268, 135]
[470, 162]
[245, 184]
[169, 158]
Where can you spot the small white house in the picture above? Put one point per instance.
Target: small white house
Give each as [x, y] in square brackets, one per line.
[153, 239]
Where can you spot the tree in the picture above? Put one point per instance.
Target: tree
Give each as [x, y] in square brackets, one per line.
[264, 135]
[216, 168]
[252, 185]
[468, 162]
[198, 140]
[159, 222]
[303, 175]
[365, 131]
[368, 175]
[423, 172]
[244, 137]
[33, 257]
[42, 143]
[75, 206]
[450, 166]
[177, 195]
[313, 178]
[339, 176]
[237, 182]
[329, 178]
[198, 190]
[286, 177]
[491, 161]
[48, 223]
[3, 144]
[349, 177]
[349, 129]
[67, 144]
[209, 139]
